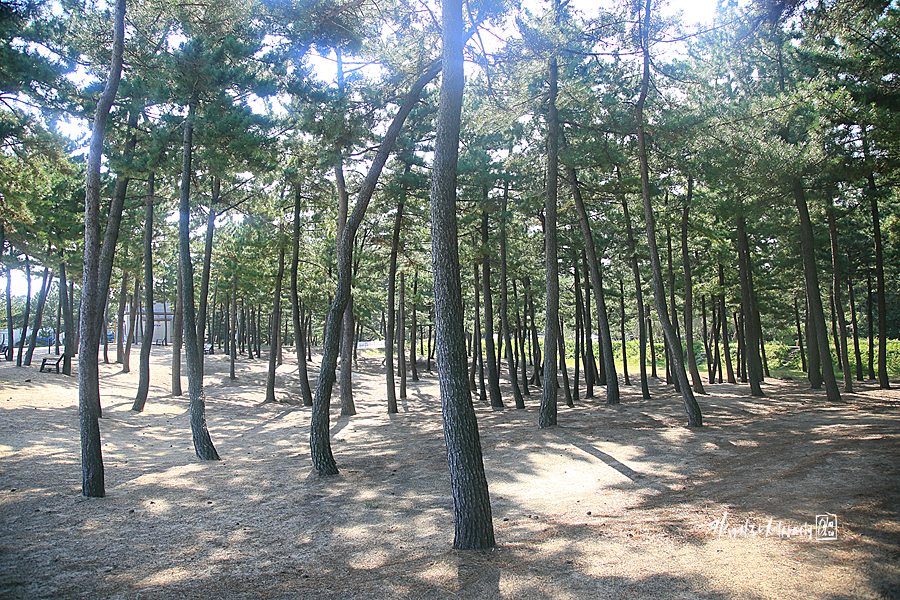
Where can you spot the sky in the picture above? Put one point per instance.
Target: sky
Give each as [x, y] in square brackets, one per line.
[693, 12]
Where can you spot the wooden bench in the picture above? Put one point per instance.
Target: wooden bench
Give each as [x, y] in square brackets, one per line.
[48, 363]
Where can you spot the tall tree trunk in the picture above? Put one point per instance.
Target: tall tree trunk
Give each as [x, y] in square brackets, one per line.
[207, 262]
[348, 329]
[815, 365]
[871, 324]
[299, 334]
[648, 313]
[695, 419]
[883, 381]
[10, 332]
[751, 340]
[689, 295]
[521, 326]
[817, 314]
[401, 337]
[622, 332]
[203, 445]
[474, 527]
[68, 322]
[590, 373]
[800, 337]
[504, 302]
[609, 361]
[93, 484]
[144, 369]
[38, 315]
[639, 295]
[493, 374]
[319, 438]
[723, 319]
[838, 305]
[276, 328]
[563, 367]
[853, 322]
[27, 315]
[390, 327]
[548, 409]
[414, 371]
[707, 349]
[476, 335]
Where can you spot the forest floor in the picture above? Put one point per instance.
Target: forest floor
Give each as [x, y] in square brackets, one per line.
[615, 502]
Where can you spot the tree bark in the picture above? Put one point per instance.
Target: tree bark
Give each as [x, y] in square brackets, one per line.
[299, 333]
[391, 314]
[883, 381]
[414, 371]
[276, 327]
[144, 369]
[838, 305]
[27, 315]
[723, 319]
[68, 322]
[609, 361]
[870, 323]
[695, 418]
[132, 325]
[622, 333]
[639, 295]
[38, 315]
[207, 263]
[817, 314]
[203, 445]
[800, 337]
[689, 295]
[177, 335]
[504, 302]
[320, 442]
[493, 374]
[92, 295]
[854, 323]
[401, 337]
[471, 501]
[751, 340]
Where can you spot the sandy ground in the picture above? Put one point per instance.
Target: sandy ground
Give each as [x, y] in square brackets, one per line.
[621, 502]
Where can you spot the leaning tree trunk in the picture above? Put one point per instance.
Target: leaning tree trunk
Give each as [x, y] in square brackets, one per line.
[493, 374]
[695, 419]
[144, 368]
[203, 445]
[609, 361]
[92, 296]
[816, 313]
[319, 437]
[27, 313]
[474, 527]
[689, 295]
[38, 315]
[299, 334]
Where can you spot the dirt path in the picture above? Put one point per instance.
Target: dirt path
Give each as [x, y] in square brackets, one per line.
[620, 502]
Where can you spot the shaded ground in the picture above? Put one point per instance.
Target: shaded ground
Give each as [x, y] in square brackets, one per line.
[620, 502]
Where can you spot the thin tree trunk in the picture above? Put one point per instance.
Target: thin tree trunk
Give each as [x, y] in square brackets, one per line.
[132, 323]
[871, 324]
[723, 319]
[751, 341]
[504, 303]
[203, 445]
[622, 331]
[800, 337]
[695, 418]
[144, 368]
[10, 333]
[563, 367]
[883, 381]
[689, 296]
[647, 312]
[92, 294]
[204, 277]
[401, 337]
[817, 315]
[120, 320]
[414, 371]
[299, 333]
[478, 354]
[493, 372]
[707, 349]
[38, 315]
[468, 484]
[320, 441]
[838, 307]
[27, 315]
[276, 328]
[609, 361]
[589, 371]
[853, 322]
[639, 295]
[520, 337]
[390, 327]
